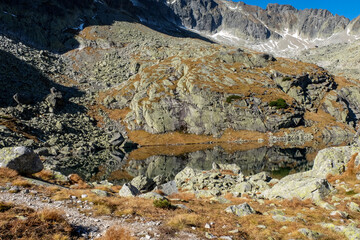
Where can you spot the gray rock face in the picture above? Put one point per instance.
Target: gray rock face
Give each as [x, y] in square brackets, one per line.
[240, 210]
[254, 22]
[198, 109]
[128, 190]
[21, 159]
[142, 183]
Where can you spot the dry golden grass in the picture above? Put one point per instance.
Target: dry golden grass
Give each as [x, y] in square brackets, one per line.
[80, 183]
[15, 125]
[184, 196]
[147, 139]
[60, 194]
[118, 233]
[349, 175]
[7, 175]
[51, 215]
[45, 175]
[44, 225]
[120, 175]
[21, 183]
[181, 221]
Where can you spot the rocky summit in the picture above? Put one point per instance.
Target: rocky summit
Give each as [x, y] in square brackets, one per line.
[178, 119]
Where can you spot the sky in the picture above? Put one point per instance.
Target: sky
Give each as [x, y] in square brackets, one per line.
[347, 8]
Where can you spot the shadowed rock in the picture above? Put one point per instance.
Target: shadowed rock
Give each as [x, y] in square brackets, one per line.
[21, 159]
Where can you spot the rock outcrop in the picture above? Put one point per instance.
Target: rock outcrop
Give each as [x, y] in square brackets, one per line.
[313, 184]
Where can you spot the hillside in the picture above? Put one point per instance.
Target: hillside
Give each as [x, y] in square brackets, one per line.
[107, 105]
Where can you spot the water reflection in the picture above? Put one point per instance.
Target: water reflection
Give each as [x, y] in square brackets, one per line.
[120, 166]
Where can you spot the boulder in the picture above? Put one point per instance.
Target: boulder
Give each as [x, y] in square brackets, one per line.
[185, 174]
[21, 159]
[152, 195]
[353, 207]
[333, 160]
[350, 231]
[310, 234]
[128, 190]
[100, 193]
[143, 183]
[243, 187]
[240, 210]
[265, 176]
[301, 186]
[168, 188]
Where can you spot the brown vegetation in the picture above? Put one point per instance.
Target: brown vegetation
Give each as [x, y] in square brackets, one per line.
[118, 233]
[349, 175]
[24, 223]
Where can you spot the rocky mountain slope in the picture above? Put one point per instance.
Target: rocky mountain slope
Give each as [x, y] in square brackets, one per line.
[278, 29]
[340, 59]
[75, 82]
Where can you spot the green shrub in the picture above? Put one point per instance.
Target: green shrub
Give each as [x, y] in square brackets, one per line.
[350, 193]
[281, 172]
[231, 98]
[287, 78]
[280, 103]
[164, 203]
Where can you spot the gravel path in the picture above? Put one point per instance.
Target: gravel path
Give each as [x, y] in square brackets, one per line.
[91, 227]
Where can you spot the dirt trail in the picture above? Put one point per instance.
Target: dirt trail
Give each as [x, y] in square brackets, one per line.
[91, 227]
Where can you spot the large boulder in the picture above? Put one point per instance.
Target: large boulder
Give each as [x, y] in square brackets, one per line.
[334, 160]
[301, 186]
[313, 184]
[21, 159]
[168, 188]
[240, 210]
[143, 183]
[128, 190]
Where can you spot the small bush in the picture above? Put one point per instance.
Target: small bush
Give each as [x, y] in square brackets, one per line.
[162, 204]
[287, 78]
[281, 172]
[280, 103]
[231, 98]
[350, 193]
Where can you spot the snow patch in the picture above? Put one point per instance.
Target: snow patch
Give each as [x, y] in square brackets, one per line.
[225, 35]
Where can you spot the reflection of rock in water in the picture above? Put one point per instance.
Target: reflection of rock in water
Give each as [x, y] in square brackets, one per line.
[250, 161]
[94, 163]
[97, 166]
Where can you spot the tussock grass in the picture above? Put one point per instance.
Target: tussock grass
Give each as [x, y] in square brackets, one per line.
[43, 225]
[21, 183]
[118, 233]
[181, 221]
